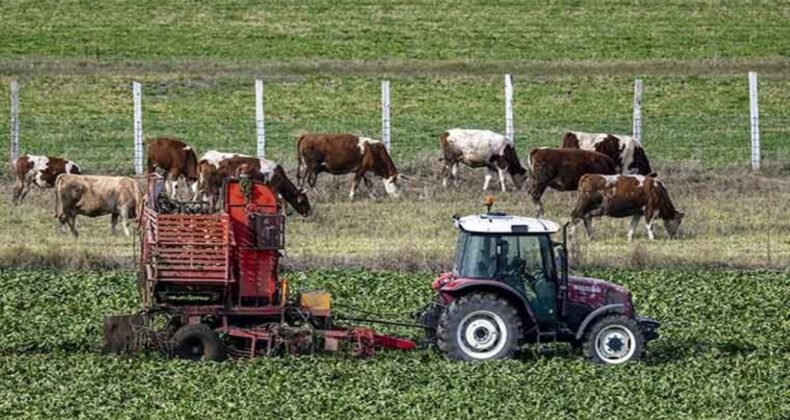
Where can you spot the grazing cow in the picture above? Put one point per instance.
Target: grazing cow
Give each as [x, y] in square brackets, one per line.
[626, 195]
[340, 154]
[561, 169]
[177, 159]
[478, 149]
[259, 169]
[626, 152]
[41, 171]
[94, 196]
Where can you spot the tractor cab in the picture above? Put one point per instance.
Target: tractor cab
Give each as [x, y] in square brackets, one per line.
[509, 286]
[517, 251]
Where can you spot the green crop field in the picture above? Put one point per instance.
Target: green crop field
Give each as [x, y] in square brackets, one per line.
[723, 354]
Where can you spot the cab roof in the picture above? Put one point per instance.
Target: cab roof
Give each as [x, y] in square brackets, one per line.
[505, 223]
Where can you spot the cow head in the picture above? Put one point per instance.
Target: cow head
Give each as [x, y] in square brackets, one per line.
[392, 185]
[672, 224]
[301, 203]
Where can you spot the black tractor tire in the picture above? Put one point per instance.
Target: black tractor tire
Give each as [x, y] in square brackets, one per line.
[479, 327]
[613, 340]
[198, 342]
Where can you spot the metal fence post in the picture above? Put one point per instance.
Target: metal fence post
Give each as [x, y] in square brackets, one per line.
[259, 122]
[509, 107]
[755, 121]
[637, 127]
[14, 122]
[385, 113]
[138, 128]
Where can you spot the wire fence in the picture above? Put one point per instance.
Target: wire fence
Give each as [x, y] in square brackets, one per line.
[706, 121]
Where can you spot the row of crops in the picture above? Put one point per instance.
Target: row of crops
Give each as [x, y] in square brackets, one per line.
[723, 353]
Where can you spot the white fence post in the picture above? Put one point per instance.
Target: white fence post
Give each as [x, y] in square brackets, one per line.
[14, 122]
[509, 107]
[637, 127]
[385, 113]
[138, 128]
[755, 119]
[259, 123]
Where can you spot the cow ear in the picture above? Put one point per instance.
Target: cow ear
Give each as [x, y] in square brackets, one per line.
[652, 175]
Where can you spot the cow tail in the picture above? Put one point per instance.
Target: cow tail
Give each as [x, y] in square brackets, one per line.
[58, 182]
[299, 159]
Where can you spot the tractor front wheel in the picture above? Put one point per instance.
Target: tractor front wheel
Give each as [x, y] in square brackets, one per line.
[478, 327]
[613, 340]
[198, 342]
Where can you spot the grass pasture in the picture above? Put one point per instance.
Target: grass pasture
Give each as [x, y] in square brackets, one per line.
[722, 354]
[733, 218]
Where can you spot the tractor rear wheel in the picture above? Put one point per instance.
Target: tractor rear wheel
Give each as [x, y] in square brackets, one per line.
[478, 327]
[198, 342]
[613, 340]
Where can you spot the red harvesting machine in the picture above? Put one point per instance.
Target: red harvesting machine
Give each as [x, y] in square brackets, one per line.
[210, 286]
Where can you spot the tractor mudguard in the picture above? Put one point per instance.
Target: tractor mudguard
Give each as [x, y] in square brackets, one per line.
[617, 308]
[458, 287]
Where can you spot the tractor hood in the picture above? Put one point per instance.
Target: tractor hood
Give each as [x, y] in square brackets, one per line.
[596, 293]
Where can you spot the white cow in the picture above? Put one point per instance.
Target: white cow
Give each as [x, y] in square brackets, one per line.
[478, 149]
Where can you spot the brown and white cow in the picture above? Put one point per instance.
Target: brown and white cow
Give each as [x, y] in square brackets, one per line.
[94, 196]
[480, 149]
[177, 159]
[340, 154]
[626, 152]
[41, 171]
[265, 170]
[561, 169]
[623, 196]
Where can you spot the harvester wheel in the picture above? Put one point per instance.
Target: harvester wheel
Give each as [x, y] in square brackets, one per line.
[479, 326]
[613, 340]
[198, 342]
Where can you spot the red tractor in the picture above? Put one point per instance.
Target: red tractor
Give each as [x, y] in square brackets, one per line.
[510, 286]
[210, 285]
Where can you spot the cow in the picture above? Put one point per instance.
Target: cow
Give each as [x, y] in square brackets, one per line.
[561, 169]
[177, 159]
[208, 165]
[623, 196]
[95, 196]
[480, 149]
[340, 154]
[626, 152]
[259, 169]
[41, 171]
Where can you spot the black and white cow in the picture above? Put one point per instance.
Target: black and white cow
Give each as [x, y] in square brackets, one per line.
[626, 152]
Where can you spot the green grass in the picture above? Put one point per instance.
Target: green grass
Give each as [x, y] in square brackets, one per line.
[365, 30]
[89, 118]
[722, 360]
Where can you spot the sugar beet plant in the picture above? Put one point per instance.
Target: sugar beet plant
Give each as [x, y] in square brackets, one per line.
[723, 354]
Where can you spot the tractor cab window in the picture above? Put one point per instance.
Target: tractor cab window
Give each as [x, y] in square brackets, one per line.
[476, 256]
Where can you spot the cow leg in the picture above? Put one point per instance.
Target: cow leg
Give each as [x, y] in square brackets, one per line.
[125, 220]
[368, 186]
[489, 174]
[20, 191]
[634, 223]
[354, 185]
[445, 174]
[71, 219]
[501, 173]
[536, 192]
[193, 186]
[649, 226]
[113, 223]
